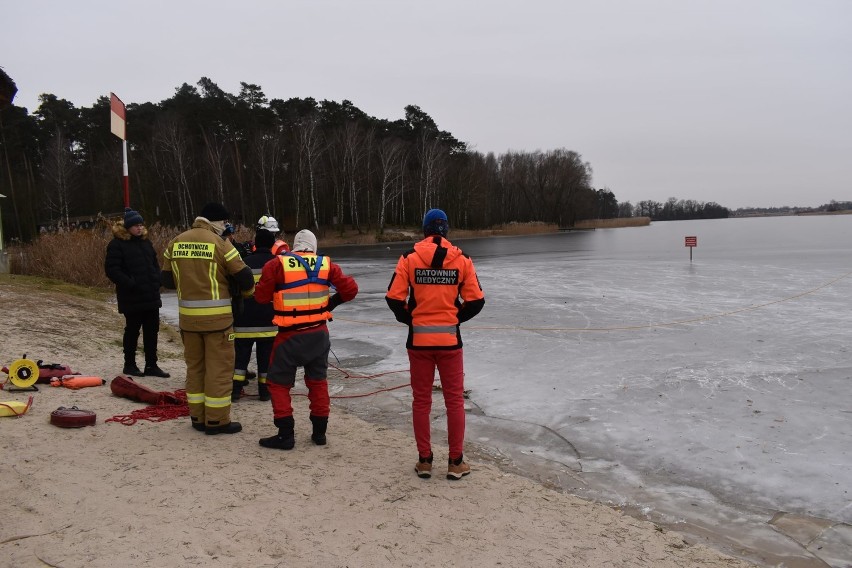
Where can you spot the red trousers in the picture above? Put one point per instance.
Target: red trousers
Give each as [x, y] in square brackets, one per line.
[450, 365]
[292, 349]
[282, 403]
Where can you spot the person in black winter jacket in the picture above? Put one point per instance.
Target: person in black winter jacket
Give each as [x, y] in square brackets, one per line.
[131, 264]
[253, 325]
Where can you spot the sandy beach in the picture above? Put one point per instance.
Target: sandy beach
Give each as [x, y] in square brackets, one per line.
[162, 494]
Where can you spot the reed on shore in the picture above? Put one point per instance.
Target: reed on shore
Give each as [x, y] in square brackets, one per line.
[78, 256]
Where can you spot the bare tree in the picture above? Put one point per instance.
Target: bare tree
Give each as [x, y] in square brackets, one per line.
[58, 170]
[514, 200]
[392, 156]
[268, 153]
[172, 141]
[552, 186]
[625, 209]
[356, 150]
[433, 164]
[215, 154]
[155, 160]
[469, 201]
[334, 158]
[347, 157]
[574, 198]
[309, 147]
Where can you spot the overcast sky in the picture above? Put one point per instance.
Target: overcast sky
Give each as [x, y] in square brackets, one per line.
[745, 103]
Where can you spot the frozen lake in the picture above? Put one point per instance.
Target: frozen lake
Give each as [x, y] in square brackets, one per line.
[710, 396]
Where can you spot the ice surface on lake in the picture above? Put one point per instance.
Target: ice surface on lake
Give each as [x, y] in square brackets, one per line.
[730, 375]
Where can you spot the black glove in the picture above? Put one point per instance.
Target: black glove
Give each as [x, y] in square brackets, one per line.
[334, 301]
[400, 311]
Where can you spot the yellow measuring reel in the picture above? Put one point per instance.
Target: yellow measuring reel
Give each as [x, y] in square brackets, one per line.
[23, 373]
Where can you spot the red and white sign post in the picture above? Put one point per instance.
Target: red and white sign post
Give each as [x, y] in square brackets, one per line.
[690, 242]
[118, 126]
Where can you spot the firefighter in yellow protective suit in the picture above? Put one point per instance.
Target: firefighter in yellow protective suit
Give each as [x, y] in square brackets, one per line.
[202, 265]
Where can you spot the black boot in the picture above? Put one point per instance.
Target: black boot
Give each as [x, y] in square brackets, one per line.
[237, 391]
[285, 439]
[131, 369]
[154, 371]
[263, 391]
[229, 428]
[320, 424]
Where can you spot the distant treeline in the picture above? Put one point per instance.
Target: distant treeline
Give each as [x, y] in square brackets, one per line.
[678, 210]
[829, 207]
[318, 164]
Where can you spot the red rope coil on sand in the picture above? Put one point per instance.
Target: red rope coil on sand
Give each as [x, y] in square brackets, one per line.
[159, 412]
[164, 410]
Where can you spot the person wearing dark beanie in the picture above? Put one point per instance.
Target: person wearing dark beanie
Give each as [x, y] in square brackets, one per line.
[435, 223]
[217, 216]
[447, 291]
[132, 218]
[253, 325]
[131, 264]
[210, 270]
[215, 212]
[264, 238]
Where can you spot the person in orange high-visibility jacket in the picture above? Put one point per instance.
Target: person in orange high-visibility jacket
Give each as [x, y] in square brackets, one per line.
[434, 289]
[297, 283]
[201, 264]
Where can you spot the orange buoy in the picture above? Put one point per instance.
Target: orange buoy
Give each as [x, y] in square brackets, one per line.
[76, 381]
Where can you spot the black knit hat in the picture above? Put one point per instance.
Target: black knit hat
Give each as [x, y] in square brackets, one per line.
[264, 238]
[215, 212]
[131, 218]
